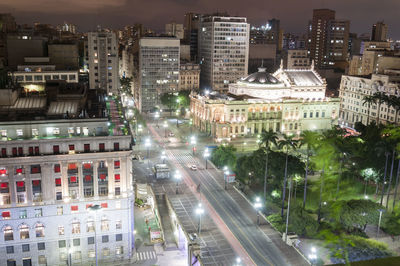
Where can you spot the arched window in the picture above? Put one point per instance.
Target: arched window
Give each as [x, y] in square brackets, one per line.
[8, 233]
[23, 231]
[90, 225]
[105, 224]
[76, 227]
[39, 229]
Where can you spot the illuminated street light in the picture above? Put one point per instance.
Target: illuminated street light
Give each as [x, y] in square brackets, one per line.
[313, 255]
[226, 173]
[147, 144]
[206, 155]
[207, 92]
[163, 156]
[193, 143]
[238, 261]
[95, 209]
[165, 125]
[257, 206]
[178, 177]
[199, 212]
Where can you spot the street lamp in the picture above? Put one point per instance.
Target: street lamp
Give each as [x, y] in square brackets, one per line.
[165, 125]
[147, 144]
[199, 212]
[238, 261]
[178, 177]
[257, 206]
[206, 155]
[157, 116]
[313, 255]
[163, 156]
[244, 144]
[226, 173]
[379, 222]
[95, 208]
[193, 142]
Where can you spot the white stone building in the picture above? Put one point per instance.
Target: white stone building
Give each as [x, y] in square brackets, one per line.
[353, 89]
[51, 173]
[288, 101]
[189, 77]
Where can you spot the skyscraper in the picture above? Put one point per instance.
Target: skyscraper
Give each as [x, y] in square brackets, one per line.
[328, 38]
[102, 60]
[191, 28]
[223, 50]
[158, 70]
[379, 32]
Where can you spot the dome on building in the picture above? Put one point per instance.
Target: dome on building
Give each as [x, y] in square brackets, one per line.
[261, 77]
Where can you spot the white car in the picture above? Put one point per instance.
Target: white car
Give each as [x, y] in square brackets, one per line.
[193, 167]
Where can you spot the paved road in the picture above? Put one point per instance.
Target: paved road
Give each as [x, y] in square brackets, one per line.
[257, 245]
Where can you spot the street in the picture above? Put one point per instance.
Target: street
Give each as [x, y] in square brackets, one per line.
[257, 248]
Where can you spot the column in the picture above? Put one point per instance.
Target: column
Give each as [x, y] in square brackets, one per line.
[80, 181]
[64, 179]
[95, 180]
[48, 183]
[12, 186]
[111, 172]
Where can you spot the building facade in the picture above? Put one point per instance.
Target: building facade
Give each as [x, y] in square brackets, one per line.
[298, 59]
[379, 32]
[175, 29]
[288, 101]
[158, 70]
[353, 89]
[223, 50]
[189, 77]
[102, 60]
[328, 38]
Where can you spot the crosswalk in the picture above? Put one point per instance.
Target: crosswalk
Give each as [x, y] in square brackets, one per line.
[146, 255]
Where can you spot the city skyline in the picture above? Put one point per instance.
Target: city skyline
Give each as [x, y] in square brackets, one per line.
[116, 14]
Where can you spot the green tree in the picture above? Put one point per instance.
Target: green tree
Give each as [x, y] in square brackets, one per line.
[308, 139]
[169, 99]
[268, 138]
[379, 98]
[126, 85]
[224, 155]
[286, 143]
[369, 100]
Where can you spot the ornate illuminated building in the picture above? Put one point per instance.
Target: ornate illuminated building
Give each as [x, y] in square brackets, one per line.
[289, 101]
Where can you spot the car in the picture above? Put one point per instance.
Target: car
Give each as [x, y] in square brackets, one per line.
[171, 134]
[193, 167]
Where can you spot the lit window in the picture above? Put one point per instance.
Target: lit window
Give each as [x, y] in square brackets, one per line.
[90, 226]
[39, 228]
[119, 250]
[76, 227]
[105, 224]
[60, 210]
[24, 231]
[8, 233]
[20, 132]
[118, 224]
[60, 230]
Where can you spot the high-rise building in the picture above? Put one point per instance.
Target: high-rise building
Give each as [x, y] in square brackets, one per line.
[174, 29]
[102, 58]
[328, 38]
[270, 33]
[66, 183]
[297, 59]
[158, 70]
[379, 32]
[191, 27]
[223, 50]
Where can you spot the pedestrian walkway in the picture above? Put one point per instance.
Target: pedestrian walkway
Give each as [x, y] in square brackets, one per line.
[146, 255]
[169, 240]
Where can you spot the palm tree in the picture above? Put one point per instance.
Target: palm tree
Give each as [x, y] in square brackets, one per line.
[287, 142]
[380, 98]
[395, 186]
[308, 138]
[368, 100]
[394, 101]
[267, 138]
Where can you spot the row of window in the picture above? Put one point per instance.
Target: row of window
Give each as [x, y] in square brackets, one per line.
[34, 150]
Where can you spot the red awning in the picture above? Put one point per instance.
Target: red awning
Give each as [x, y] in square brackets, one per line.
[117, 177]
[116, 163]
[88, 205]
[72, 179]
[102, 176]
[5, 214]
[58, 181]
[87, 165]
[74, 208]
[20, 184]
[36, 183]
[19, 171]
[71, 166]
[4, 185]
[57, 168]
[3, 171]
[104, 205]
[88, 178]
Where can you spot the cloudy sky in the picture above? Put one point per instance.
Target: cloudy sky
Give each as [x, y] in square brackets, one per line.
[293, 14]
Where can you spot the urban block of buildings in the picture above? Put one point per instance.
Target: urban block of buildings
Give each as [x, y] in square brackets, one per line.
[288, 101]
[65, 178]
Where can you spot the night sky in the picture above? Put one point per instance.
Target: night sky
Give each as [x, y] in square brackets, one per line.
[293, 14]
